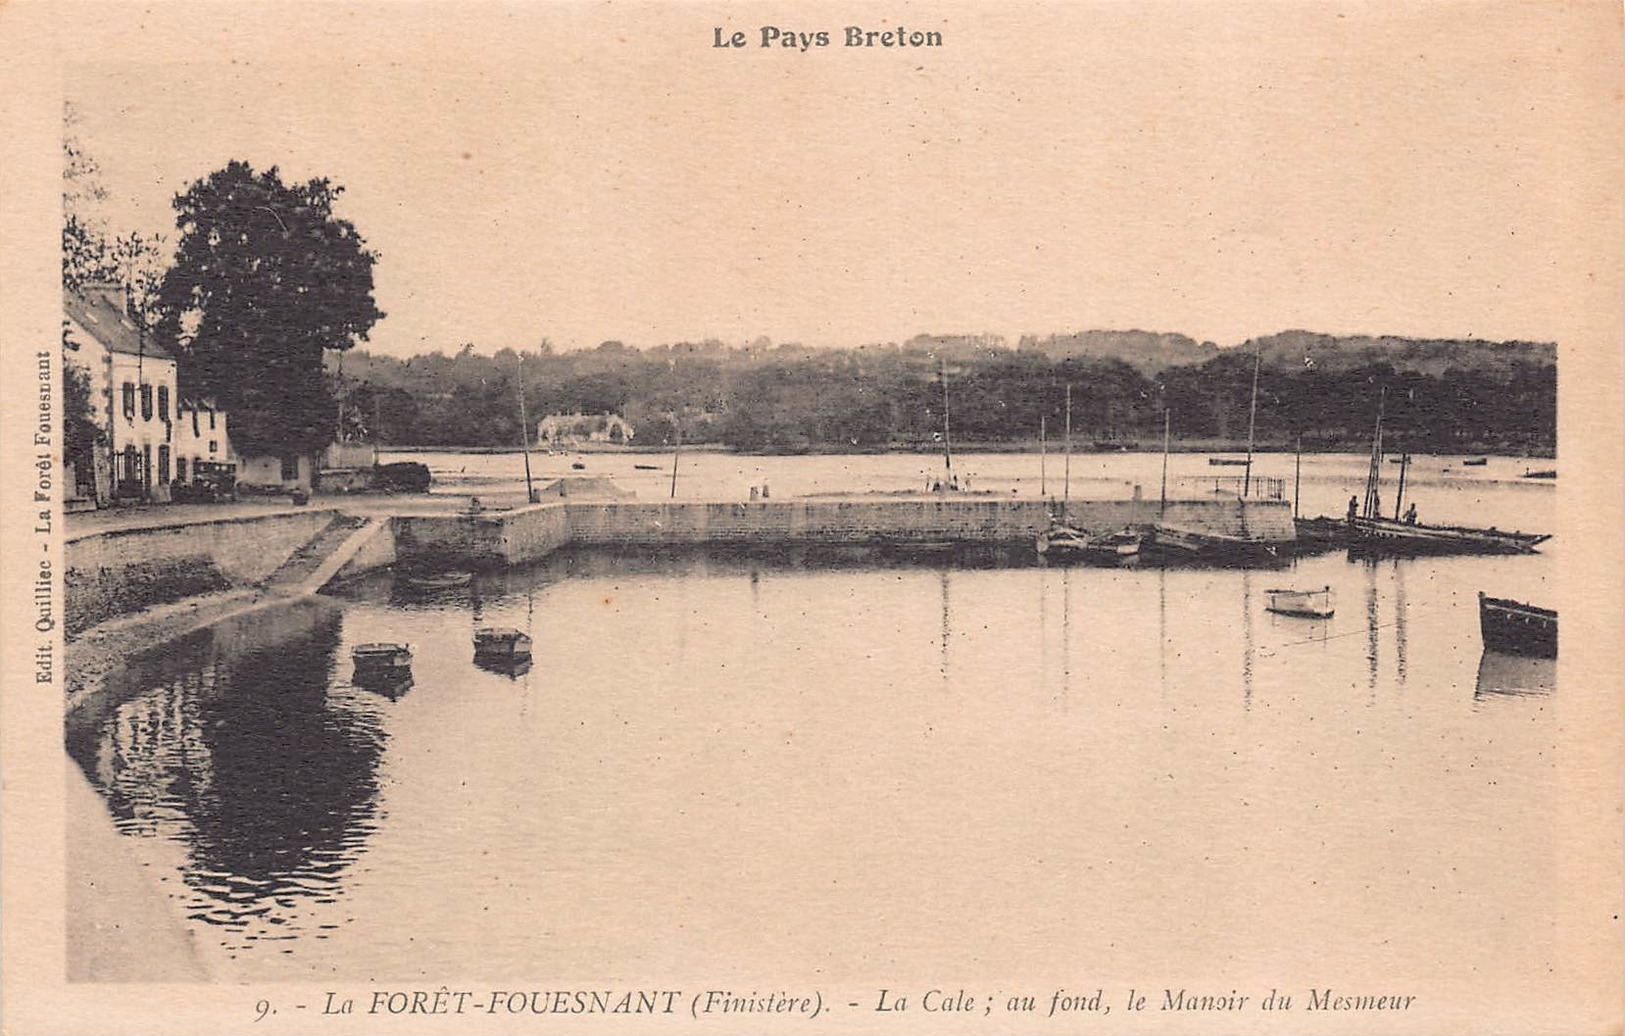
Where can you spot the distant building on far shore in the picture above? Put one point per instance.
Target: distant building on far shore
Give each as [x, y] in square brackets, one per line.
[573, 429]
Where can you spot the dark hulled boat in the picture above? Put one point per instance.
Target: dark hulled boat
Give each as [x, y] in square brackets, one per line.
[1371, 533]
[1516, 628]
[386, 668]
[498, 644]
[1390, 536]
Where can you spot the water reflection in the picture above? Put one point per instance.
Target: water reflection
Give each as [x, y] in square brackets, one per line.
[680, 698]
[1372, 624]
[228, 744]
[1246, 640]
[1400, 611]
[1501, 675]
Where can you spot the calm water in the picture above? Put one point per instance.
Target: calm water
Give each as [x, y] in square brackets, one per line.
[957, 765]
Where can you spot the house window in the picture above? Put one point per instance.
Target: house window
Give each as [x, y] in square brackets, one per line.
[290, 468]
[129, 399]
[146, 402]
[129, 475]
[194, 423]
[146, 464]
[211, 420]
[214, 446]
[180, 469]
[163, 402]
[163, 465]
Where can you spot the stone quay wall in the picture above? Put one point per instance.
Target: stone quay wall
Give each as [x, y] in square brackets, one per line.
[123, 570]
[114, 572]
[530, 533]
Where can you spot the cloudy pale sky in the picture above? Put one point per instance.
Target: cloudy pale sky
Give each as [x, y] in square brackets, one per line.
[584, 173]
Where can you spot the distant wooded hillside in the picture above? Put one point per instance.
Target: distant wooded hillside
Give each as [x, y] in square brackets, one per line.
[1441, 395]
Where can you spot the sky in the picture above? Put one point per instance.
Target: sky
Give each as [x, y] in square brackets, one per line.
[580, 173]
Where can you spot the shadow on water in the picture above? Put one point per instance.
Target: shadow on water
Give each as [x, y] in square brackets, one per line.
[403, 590]
[1503, 676]
[228, 744]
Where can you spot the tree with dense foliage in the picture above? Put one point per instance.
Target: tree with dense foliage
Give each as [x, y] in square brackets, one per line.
[266, 280]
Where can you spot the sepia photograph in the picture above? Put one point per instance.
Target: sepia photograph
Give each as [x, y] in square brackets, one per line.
[814, 517]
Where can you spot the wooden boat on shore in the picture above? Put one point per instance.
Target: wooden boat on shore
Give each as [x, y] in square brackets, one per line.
[1476, 462]
[499, 644]
[1304, 604]
[1221, 548]
[1063, 542]
[1516, 628]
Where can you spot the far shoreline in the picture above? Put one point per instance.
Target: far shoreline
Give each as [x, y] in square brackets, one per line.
[1225, 447]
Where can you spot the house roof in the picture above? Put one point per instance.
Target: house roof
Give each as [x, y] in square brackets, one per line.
[99, 309]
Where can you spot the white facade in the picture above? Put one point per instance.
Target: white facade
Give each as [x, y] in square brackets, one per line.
[200, 435]
[133, 391]
[143, 446]
[277, 473]
[570, 429]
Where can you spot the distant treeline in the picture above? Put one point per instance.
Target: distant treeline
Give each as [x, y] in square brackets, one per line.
[791, 399]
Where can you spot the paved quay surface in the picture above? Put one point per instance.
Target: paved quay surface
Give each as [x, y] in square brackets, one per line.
[121, 925]
[157, 516]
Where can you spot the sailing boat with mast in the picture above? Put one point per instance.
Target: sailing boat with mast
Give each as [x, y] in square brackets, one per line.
[1237, 543]
[1064, 541]
[1369, 531]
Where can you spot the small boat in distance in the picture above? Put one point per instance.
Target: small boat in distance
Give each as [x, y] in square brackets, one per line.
[1516, 628]
[1538, 474]
[1475, 462]
[647, 467]
[578, 465]
[385, 668]
[429, 582]
[1304, 604]
[1228, 462]
[498, 644]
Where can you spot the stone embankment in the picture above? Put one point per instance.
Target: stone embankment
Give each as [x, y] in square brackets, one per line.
[120, 571]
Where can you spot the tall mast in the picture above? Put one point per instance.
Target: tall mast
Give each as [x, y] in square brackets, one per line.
[1297, 475]
[1252, 417]
[947, 445]
[1399, 496]
[1066, 491]
[1162, 502]
[677, 451]
[1373, 506]
[524, 431]
[1043, 450]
